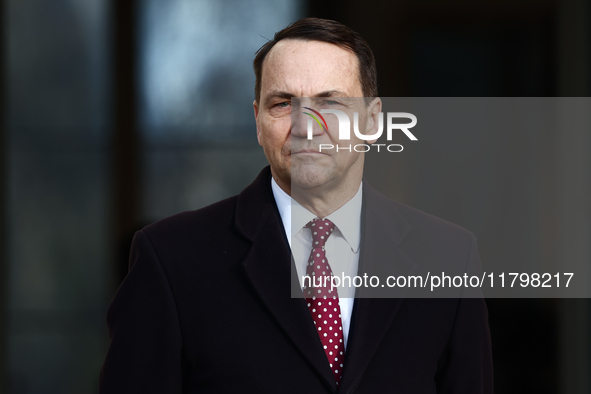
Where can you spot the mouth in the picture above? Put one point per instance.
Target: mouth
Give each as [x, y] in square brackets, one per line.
[308, 151]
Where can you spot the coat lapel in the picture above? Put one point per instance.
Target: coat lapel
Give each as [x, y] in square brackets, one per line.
[383, 230]
[271, 272]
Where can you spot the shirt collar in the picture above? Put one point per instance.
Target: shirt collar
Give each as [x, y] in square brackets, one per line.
[283, 201]
[348, 219]
[294, 216]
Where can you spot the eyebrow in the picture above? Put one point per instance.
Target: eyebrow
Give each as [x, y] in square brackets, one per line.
[286, 95]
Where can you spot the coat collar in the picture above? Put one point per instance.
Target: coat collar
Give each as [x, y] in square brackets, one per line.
[271, 271]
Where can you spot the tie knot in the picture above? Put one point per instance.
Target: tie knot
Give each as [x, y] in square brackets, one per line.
[321, 230]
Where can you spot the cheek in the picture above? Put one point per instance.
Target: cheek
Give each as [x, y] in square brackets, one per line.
[275, 131]
[333, 125]
[364, 124]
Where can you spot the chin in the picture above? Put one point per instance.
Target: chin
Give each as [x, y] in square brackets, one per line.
[309, 176]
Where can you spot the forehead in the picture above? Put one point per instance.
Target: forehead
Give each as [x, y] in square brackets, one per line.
[307, 68]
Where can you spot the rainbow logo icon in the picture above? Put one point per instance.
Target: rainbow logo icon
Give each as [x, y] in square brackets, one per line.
[325, 127]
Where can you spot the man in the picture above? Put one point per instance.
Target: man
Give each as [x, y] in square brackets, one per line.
[206, 306]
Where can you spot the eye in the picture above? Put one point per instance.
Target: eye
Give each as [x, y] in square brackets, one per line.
[284, 104]
[331, 102]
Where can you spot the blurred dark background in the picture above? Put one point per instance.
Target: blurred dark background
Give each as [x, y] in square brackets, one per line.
[119, 113]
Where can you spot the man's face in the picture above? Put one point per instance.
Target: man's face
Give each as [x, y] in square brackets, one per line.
[316, 71]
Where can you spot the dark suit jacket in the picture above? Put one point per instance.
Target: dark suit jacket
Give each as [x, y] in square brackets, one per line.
[206, 308]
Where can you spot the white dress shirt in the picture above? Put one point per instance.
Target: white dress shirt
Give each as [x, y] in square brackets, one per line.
[342, 247]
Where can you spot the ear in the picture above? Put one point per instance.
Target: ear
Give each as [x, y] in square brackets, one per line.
[255, 106]
[373, 112]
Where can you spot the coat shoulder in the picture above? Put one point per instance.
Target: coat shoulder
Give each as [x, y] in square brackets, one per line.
[407, 217]
[430, 224]
[198, 224]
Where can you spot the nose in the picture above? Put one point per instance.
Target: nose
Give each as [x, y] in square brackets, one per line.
[307, 119]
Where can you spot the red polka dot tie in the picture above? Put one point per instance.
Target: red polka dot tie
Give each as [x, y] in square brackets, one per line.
[323, 302]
